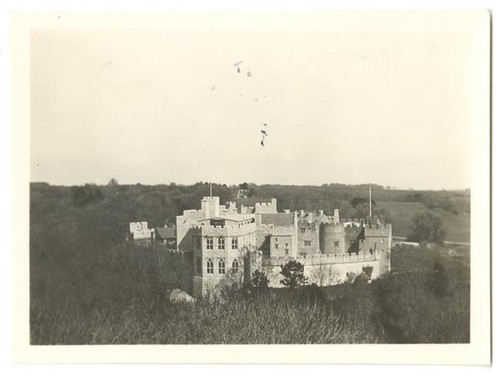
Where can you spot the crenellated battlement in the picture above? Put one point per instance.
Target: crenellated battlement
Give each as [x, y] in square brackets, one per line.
[176, 251]
[317, 259]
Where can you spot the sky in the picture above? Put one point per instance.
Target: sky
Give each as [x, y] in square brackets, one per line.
[361, 99]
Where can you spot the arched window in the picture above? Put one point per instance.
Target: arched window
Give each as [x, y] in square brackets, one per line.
[235, 266]
[210, 243]
[210, 266]
[221, 243]
[222, 266]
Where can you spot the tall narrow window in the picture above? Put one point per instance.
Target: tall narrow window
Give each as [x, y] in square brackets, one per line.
[235, 266]
[276, 245]
[210, 266]
[222, 266]
[234, 243]
[307, 242]
[221, 243]
[198, 265]
[210, 243]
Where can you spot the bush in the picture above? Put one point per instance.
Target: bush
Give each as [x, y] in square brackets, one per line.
[293, 274]
[259, 280]
[87, 194]
[427, 227]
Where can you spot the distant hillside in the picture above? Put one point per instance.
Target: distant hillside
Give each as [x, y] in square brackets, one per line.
[113, 206]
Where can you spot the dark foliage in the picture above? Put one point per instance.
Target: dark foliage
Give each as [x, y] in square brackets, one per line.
[259, 280]
[87, 194]
[427, 227]
[293, 274]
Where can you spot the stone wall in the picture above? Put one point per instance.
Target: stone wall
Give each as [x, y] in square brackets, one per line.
[323, 270]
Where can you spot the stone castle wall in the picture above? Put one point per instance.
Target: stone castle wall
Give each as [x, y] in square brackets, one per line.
[324, 270]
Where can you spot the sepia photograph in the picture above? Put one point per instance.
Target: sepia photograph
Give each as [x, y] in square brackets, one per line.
[258, 179]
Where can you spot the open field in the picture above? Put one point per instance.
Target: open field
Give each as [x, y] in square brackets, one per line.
[457, 225]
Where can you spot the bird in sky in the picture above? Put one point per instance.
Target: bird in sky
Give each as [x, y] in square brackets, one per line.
[263, 131]
[262, 142]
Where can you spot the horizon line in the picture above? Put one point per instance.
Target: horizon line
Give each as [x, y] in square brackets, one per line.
[384, 187]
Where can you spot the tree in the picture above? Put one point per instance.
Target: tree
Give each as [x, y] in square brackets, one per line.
[87, 194]
[259, 280]
[362, 206]
[113, 182]
[427, 227]
[293, 274]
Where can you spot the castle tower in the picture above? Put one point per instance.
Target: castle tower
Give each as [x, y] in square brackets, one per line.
[336, 217]
[210, 206]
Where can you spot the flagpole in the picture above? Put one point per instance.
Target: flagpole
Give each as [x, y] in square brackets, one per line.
[370, 194]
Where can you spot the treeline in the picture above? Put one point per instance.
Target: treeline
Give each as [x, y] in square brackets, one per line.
[158, 203]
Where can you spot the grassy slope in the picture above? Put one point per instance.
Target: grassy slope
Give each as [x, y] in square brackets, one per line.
[457, 225]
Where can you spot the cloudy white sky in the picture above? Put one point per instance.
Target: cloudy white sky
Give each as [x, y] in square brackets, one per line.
[356, 98]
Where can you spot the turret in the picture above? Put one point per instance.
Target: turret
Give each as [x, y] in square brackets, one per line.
[210, 207]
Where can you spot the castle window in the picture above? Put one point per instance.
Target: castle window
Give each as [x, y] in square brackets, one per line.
[235, 266]
[210, 243]
[286, 244]
[198, 265]
[222, 266]
[234, 243]
[221, 243]
[286, 251]
[275, 239]
[336, 243]
[307, 243]
[276, 245]
[210, 266]
[302, 229]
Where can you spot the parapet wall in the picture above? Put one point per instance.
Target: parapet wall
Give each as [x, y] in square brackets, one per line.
[323, 270]
[266, 207]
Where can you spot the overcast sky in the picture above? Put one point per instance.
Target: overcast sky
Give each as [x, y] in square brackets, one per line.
[386, 102]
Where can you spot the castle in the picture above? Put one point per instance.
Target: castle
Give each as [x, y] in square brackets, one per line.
[227, 243]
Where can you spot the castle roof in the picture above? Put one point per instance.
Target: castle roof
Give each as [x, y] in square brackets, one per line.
[230, 217]
[277, 219]
[165, 232]
[251, 201]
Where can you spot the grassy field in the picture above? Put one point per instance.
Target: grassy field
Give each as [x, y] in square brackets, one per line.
[401, 213]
